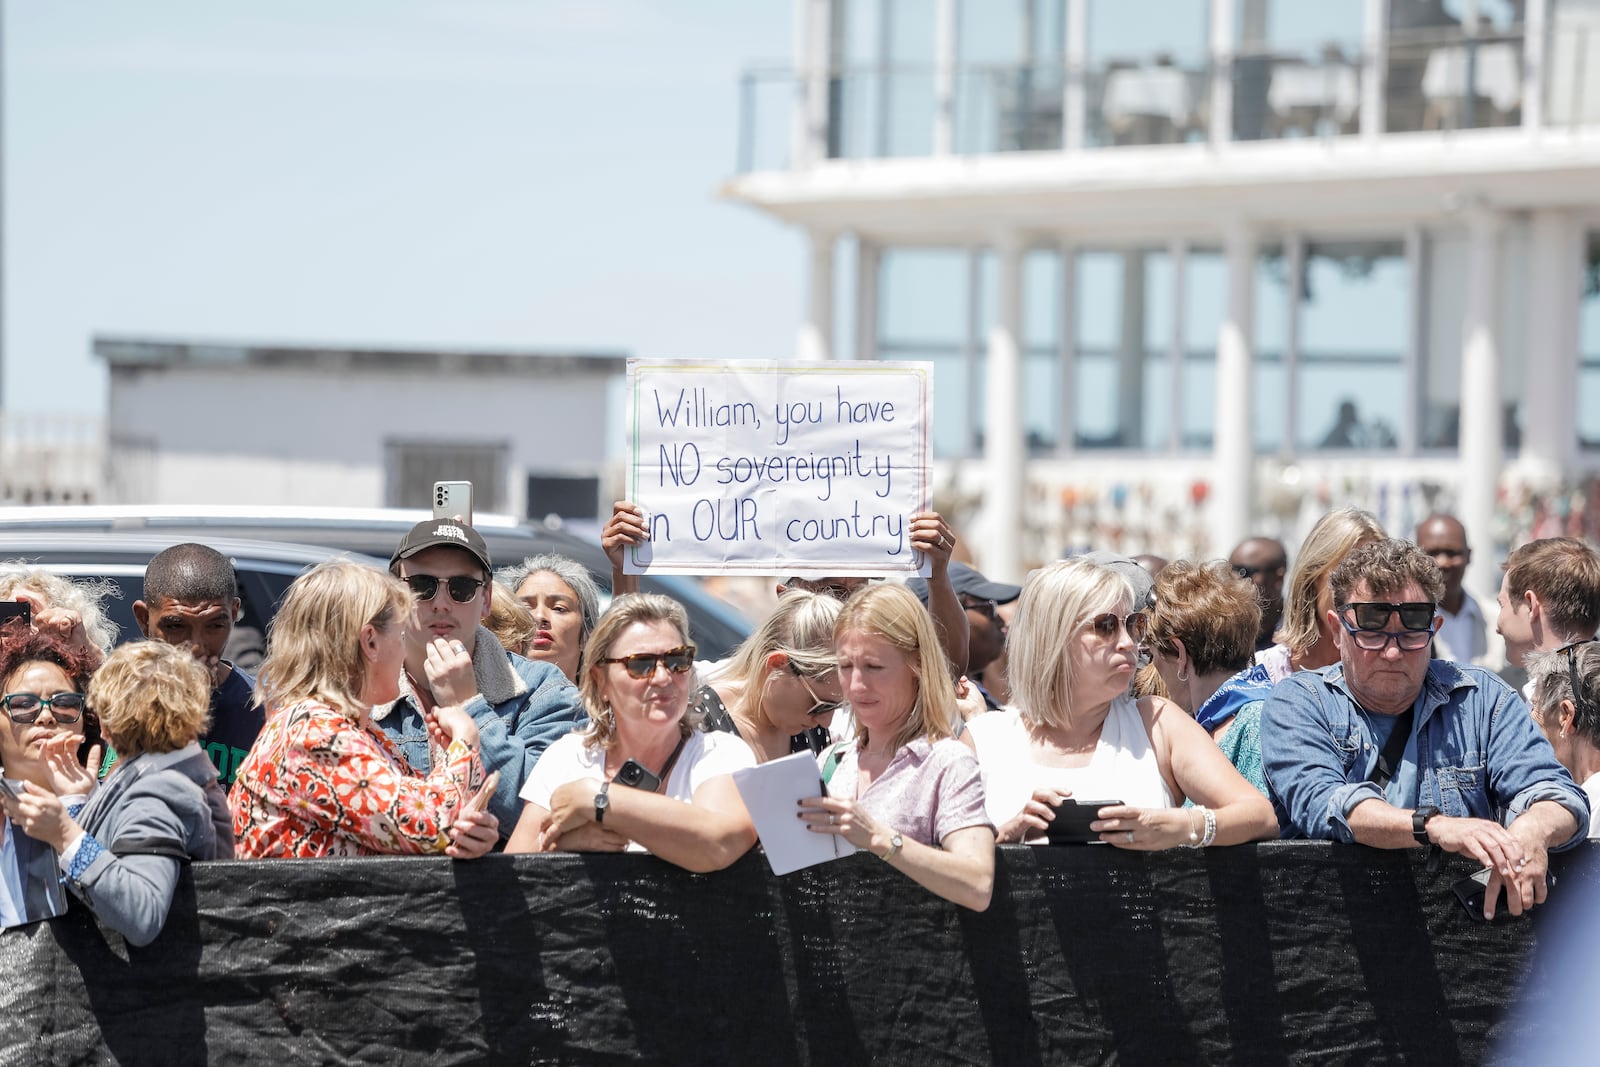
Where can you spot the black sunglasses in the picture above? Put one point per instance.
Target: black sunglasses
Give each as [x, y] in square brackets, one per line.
[1244, 571]
[1106, 624]
[1374, 614]
[1571, 652]
[818, 705]
[25, 708]
[643, 664]
[981, 606]
[426, 586]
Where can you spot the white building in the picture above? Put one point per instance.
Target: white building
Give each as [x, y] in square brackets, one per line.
[1195, 269]
[263, 425]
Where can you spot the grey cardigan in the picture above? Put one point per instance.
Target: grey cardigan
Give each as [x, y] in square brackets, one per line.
[153, 813]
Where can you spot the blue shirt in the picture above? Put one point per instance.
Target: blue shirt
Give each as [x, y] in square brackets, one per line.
[1474, 752]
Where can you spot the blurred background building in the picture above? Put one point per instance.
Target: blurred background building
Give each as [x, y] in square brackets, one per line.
[1194, 269]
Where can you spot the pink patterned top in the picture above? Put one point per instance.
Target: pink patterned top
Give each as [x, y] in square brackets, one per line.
[930, 789]
[317, 784]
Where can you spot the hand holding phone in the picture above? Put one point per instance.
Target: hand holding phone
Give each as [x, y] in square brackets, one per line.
[1071, 824]
[16, 609]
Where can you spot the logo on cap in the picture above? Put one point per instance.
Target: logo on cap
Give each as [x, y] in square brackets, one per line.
[446, 530]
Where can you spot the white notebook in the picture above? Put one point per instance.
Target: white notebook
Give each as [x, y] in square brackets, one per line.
[772, 792]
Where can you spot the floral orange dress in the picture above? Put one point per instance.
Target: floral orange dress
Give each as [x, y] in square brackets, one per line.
[316, 783]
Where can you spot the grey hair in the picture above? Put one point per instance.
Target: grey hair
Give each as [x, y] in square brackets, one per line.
[1550, 682]
[86, 596]
[575, 574]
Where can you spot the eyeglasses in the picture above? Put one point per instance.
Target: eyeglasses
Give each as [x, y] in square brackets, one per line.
[1106, 624]
[1571, 652]
[1371, 619]
[1374, 615]
[426, 586]
[982, 607]
[25, 708]
[643, 664]
[818, 705]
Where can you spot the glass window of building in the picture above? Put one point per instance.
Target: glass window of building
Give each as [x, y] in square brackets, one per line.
[1453, 64]
[1122, 396]
[881, 94]
[924, 303]
[1147, 75]
[1297, 71]
[1205, 290]
[1009, 75]
[1354, 316]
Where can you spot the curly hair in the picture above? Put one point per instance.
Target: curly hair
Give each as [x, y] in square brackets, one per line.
[151, 697]
[1211, 610]
[86, 596]
[512, 624]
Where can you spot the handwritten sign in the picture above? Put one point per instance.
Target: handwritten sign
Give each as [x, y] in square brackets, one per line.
[807, 469]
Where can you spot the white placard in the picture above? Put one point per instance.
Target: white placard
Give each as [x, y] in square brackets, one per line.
[749, 467]
[771, 792]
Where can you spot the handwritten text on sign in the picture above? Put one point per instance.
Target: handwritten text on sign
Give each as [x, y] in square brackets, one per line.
[778, 468]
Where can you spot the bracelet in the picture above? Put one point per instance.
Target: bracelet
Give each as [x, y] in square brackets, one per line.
[1211, 828]
[1194, 834]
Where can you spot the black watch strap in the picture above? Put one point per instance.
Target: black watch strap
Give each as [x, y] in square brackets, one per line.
[1419, 823]
[602, 801]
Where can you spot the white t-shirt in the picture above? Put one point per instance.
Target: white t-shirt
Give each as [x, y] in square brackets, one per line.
[704, 756]
[1592, 787]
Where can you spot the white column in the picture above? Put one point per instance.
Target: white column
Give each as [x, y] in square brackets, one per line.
[1535, 22]
[1233, 453]
[944, 77]
[1067, 348]
[1222, 38]
[816, 333]
[1004, 436]
[869, 259]
[1482, 447]
[1075, 53]
[1550, 340]
[1374, 65]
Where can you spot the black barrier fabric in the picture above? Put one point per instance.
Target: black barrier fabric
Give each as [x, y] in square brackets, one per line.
[1278, 953]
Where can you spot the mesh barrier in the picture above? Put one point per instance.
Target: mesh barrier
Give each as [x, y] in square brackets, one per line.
[1284, 952]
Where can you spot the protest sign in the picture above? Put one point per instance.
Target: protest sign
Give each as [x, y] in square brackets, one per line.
[808, 469]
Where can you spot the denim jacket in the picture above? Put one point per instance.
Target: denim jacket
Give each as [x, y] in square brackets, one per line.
[522, 705]
[1479, 753]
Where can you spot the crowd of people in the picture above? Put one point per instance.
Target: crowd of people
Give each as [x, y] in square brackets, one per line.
[444, 708]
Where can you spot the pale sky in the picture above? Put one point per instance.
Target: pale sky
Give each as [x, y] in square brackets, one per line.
[523, 174]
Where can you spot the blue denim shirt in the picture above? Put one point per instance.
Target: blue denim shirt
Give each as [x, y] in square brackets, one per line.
[1478, 752]
[521, 707]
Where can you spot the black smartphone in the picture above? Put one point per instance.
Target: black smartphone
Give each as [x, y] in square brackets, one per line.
[636, 775]
[1469, 891]
[1071, 824]
[16, 609]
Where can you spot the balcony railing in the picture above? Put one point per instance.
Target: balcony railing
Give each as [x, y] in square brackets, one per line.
[1418, 83]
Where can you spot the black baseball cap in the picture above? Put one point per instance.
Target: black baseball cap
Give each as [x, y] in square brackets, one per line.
[434, 533]
[969, 582]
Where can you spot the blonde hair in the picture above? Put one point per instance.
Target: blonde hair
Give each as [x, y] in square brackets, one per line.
[314, 644]
[624, 611]
[801, 629]
[510, 620]
[151, 697]
[1335, 536]
[86, 596]
[1054, 602]
[893, 612]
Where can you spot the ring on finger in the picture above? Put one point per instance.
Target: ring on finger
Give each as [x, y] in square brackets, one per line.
[1130, 837]
[833, 820]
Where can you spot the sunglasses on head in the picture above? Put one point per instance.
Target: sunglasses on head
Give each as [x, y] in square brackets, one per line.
[818, 705]
[1571, 652]
[1107, 623]
[25, 708]
[643, 664]
[426, 586]
[1374, 615]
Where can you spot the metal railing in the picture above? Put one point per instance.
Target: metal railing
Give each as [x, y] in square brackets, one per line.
[1429, 81]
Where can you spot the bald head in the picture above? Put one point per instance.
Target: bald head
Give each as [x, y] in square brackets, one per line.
[1264, 562]
[1443, 538]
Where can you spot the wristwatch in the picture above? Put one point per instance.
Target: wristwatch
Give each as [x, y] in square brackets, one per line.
[895, 843]
[1419, 823]
[602, 802]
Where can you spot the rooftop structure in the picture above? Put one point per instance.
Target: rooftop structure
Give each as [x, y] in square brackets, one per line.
[1195, 269]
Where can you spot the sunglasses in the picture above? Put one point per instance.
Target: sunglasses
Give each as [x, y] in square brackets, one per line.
[1107, 623]
[982, 607]
[1374, 615]
[426, 586]
[1571, 652]
[1244, 571]
[25, 708]
[643, 664]
[818, 705]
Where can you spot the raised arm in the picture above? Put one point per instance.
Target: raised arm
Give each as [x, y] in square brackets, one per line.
[625, 528]
[931, 535]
